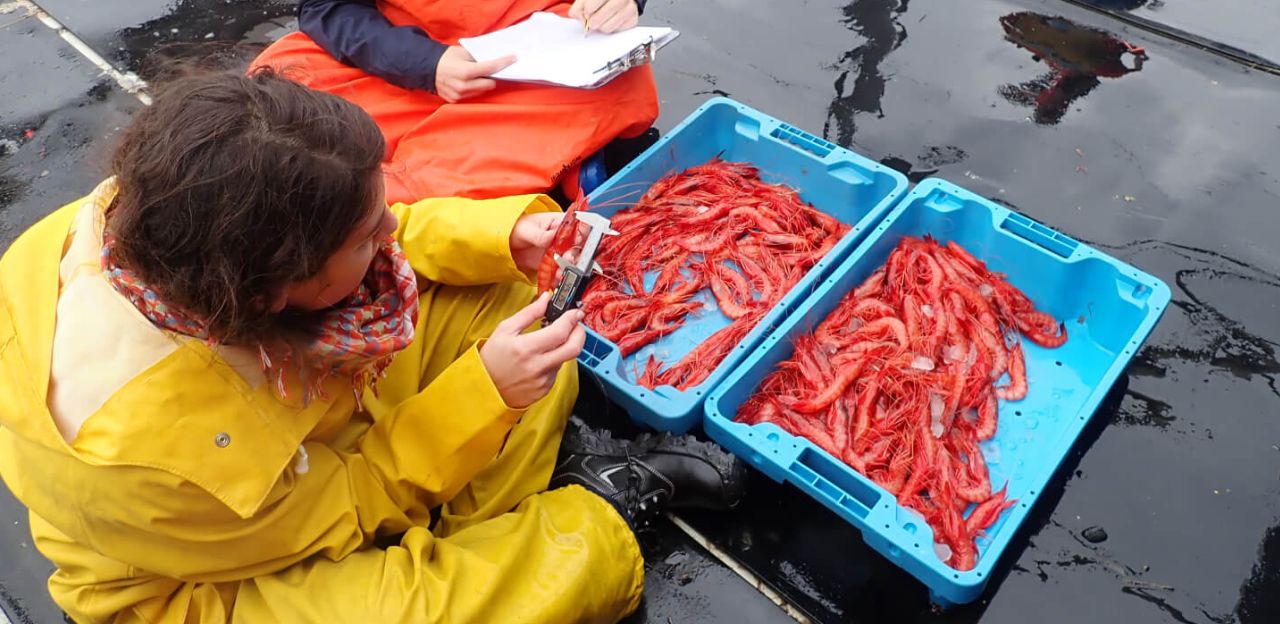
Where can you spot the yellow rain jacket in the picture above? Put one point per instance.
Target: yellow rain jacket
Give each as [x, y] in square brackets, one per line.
[192, 493]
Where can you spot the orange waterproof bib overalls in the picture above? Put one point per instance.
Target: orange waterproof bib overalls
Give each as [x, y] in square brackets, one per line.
[518, 138]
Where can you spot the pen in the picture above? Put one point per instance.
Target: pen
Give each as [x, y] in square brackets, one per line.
[586, 21]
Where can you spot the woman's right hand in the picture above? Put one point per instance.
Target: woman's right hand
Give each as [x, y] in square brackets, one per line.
[459, 76]
[606, 16]
[523, 366]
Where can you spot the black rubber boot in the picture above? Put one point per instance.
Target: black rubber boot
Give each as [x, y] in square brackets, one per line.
[642, 477]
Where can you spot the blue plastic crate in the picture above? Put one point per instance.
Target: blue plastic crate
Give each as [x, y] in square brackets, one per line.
[1109, 307]
[849, 187]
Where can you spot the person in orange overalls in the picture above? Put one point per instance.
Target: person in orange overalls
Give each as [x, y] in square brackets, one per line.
[450, 131]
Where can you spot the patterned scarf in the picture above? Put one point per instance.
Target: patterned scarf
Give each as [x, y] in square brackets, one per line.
[355, 338]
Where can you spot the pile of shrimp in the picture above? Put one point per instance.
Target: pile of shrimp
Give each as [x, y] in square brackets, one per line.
[716, 226]
[899, 382]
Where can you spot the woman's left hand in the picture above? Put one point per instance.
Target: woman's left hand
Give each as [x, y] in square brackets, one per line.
[606, 16]
[530, 237]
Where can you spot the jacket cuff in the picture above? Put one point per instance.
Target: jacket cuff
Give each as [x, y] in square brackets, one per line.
[430, 59]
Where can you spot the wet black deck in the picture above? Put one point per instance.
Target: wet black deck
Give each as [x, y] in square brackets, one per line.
[1172, 167]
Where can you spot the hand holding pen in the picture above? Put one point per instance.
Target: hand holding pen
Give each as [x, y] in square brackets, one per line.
[606, 16]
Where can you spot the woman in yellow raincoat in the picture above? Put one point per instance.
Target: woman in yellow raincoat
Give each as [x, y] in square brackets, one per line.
[238, 387]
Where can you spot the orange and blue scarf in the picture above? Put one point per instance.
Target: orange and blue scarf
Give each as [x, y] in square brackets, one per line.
[355, 338]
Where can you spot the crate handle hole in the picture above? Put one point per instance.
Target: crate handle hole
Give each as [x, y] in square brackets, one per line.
[1058, 362]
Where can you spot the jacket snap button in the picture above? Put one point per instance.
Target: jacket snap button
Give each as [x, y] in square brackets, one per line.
[222, 440]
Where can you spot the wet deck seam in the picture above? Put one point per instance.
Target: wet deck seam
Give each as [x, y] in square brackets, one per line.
[747, 575]
[127, 80]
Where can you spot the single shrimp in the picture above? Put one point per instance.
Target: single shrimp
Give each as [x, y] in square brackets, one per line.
[561, 242]
[986, 428]
[871, 286]
[632, 342]
[649, 378]
[985, 514]
[1043, 329]
[1017, 388]
[963, 255]
[865, 407]
[848, 370]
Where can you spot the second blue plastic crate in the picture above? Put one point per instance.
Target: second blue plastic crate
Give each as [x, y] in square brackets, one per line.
[1109, 308]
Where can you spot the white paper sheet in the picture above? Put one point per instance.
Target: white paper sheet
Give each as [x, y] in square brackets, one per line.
[554, 49]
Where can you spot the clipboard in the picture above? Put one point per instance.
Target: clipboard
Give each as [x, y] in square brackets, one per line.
[642, 54]
[553, 50]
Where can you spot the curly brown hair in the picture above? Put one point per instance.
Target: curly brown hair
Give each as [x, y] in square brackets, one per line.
[232, 186]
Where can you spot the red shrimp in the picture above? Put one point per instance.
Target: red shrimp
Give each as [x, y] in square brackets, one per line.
[911, 316]
[1043, 329]
[730, 290]
[838, 424]
[994, 348]
[649, 378]
[764, 223]
[986, 428]
[880, 326]
[711, 213]
[560, 244]
[847, 370]
[828, 223]
[986, 513]
[939, 323]
[921, 473]
[899, 464]
[1017, 388]
[786, 240]
[967, 488]
[865, 406]
[870, 309]
[618, 307]
[967, 442]
[711, 241]
[631, 343]
[669, 272]
[625, 324]
[963, 255]
[872, 286]
[933, 285]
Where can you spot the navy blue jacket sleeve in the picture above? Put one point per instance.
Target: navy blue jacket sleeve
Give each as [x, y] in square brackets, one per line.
[354, 32]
